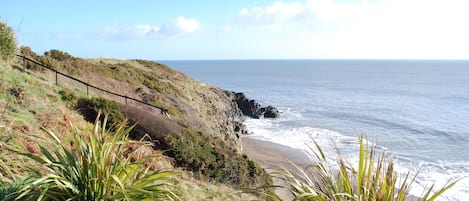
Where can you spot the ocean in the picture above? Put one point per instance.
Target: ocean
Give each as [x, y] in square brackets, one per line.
[415, 111]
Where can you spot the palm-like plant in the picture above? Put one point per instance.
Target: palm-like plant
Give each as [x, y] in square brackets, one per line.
[371, 181]
[96, 166]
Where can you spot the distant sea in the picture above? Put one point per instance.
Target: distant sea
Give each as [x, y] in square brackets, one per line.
[416, 111]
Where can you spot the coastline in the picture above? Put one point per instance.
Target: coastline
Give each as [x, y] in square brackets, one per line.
[271, 156]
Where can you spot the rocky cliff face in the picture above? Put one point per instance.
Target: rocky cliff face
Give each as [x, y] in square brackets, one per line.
[252, 108]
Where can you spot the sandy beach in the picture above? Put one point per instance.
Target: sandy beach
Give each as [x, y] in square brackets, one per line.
[271, 156]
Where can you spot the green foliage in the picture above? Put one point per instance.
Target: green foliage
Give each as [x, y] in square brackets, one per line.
[5, 191]
[8, 190]
[97, 166]
[68, 96]
[373, 179]
[58, 55]
[196, 152]
[7, 42]
[91, 107]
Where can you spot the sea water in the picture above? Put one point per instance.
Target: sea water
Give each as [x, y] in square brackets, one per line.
[415, 111]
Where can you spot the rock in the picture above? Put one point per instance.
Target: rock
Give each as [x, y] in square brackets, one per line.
[252, 108]
[240, 128]
[270, 112]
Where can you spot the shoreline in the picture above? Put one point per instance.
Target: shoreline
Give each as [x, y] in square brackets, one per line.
[271, 156]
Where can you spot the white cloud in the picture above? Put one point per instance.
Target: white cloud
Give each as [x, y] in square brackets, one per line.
[180, 25]
[370, 29]
[177, 27]
[128, 32]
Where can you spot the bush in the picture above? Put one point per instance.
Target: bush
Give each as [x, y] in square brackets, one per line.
[68, 96]
[7, 42]
[97, 166]
[371, 180]
[27, 52]
[58, 55]
[90, 108]
[197, 153]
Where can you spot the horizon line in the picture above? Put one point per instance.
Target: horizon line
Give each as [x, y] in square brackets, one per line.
[312, 59]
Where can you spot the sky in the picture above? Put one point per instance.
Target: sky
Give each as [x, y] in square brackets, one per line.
[242, 29]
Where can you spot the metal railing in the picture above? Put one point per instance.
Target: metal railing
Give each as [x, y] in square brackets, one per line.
[126, 98]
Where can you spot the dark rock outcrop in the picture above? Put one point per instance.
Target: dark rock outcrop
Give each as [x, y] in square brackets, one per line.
[270, 112]
[252, 108]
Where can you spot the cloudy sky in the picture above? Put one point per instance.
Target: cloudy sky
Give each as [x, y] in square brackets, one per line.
[235, 29]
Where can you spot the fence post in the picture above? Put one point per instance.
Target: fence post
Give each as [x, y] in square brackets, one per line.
[125, 99]
[24, 62]
[87, 89]
[56, 81]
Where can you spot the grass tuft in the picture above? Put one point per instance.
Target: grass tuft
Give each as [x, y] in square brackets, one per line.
[95, 166]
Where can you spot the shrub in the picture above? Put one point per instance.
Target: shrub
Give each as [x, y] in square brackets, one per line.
[7, 42]
[58, 55]
[371, 180]
[91, 107]
[195, 151]
[27, 52]
[68, 96]
[97, 166]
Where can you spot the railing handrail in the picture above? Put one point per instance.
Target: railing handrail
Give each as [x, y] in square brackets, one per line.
[163, 110]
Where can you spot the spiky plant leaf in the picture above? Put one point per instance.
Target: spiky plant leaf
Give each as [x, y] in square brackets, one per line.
[96, 167]
[374, 179]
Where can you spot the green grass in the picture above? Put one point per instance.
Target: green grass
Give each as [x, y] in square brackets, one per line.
[373, 179]
[97, 166]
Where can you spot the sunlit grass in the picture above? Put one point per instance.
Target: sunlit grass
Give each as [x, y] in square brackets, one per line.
[374, 178]
[95, 166]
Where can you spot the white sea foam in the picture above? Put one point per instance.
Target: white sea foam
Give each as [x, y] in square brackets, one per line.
[438, 173]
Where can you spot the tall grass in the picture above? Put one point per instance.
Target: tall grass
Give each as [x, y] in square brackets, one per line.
[95, 166]
[373, 179]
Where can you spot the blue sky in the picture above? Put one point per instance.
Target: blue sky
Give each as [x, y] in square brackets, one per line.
[234, 29]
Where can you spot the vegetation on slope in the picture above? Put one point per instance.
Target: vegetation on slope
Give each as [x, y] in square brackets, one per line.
[28, 102]
[228, 166]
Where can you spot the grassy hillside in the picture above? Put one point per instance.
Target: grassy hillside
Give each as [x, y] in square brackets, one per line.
[30, 100]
